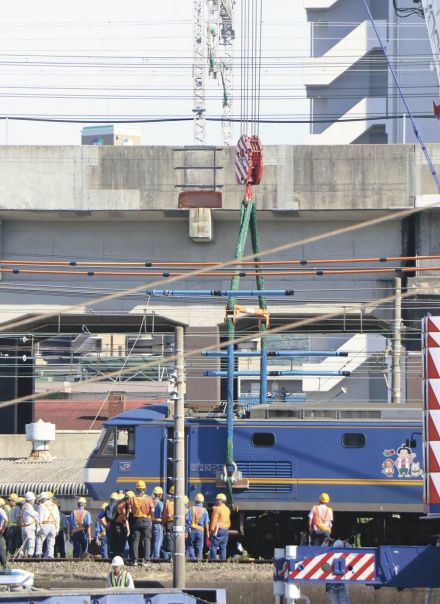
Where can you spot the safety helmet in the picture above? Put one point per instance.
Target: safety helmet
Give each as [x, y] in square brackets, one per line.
[130, 494]
[2, 502]
[21, 500]
[171, 490]
[114, 496]
[141, 485]
[13, 497]
[117, 561]
[221, 496]
[324, 498]
[43, 496]
[104, 505]
[199, 498]
[158, 491]
[185, 500]
[50, 495]
[82, 500]
[29, 496]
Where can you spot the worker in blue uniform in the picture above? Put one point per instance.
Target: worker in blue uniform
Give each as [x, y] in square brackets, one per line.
[101, 533]
[156, 526]
[80, 523]
[197, 521]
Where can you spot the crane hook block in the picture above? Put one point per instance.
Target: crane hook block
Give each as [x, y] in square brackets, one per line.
[249, 160]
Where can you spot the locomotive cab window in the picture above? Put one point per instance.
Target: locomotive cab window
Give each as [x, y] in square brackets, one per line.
[263, 439]
[117, 441]
[353, 440]
[125, 441]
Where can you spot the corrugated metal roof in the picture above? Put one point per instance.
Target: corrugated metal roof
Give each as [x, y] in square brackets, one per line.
[61, 475]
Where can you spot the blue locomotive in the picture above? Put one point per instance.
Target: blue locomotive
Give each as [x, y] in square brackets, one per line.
[368, 459]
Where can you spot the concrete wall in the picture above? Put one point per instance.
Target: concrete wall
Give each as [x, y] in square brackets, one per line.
[66, 444]
[97, 183]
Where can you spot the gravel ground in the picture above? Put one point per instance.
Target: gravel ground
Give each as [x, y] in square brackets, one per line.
[250, 583]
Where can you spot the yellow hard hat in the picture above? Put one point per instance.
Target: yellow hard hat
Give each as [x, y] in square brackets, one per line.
[221, 496]
[199, 498]
[49, 494]
[82, 500]
[141, 484]
[2, 502]
[13, 497]
[171, 490]
[158, 491]
[104, 505]
[114, 495]
[130, 494]
[21, 500]
[324, 498]
[185, 500]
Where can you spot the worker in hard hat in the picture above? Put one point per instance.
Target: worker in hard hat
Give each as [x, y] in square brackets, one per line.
[60, 539]
[101, 532]
[30, 523]
[80, 523]
[168, 524]
[3, 530]
[142, 507]
[49, 525]
[109, 513]
[219, 528]
[14, 537]
[156, 519]
[13, 530]
[119, 576]
[197, 521]
[119, 530]
[320, 520]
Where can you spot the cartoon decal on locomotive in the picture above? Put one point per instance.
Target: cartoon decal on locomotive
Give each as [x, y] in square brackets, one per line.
[402, 460]
[285, 463]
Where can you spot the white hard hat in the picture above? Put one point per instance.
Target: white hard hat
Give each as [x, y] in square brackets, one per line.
[117, 561]
[43, 496]
[29, 496]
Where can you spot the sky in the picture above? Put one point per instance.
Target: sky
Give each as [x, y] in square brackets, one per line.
[129, 59]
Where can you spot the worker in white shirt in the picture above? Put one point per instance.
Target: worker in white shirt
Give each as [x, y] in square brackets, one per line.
[119, 576]
[30, 522]
[49, 518]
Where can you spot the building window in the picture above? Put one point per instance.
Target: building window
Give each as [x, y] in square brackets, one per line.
[263, 439]
[353, 440]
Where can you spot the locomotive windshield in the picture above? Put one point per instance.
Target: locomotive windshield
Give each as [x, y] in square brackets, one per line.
[114, 441]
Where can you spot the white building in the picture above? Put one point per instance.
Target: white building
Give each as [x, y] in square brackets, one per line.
[347, 77]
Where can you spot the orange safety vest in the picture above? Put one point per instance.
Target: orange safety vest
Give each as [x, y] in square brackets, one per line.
[79, 520]
[142, 506]
[168, 511]
[322, 521]
[196, 513]
[221, 517]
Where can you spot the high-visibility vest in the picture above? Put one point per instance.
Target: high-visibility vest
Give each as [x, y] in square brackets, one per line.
[196, 513]
[142, 506]
[50, 519]
[322, 520]
[221, 517]
[79, 516]
[118, 581]
[168, 511]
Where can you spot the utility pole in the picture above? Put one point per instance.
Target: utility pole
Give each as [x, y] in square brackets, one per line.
[179, 464]
[199, 72]
[397, 341]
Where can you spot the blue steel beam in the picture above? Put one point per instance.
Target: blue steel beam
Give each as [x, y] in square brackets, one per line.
[212, 373]
[394, 566]
[220, 293]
